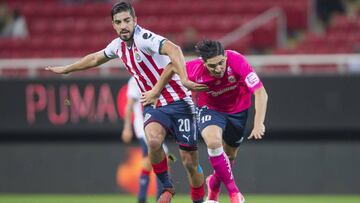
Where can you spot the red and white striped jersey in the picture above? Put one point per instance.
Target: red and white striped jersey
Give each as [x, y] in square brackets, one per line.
[145, 64]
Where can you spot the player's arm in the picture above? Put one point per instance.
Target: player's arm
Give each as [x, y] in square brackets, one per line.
[178, 63]
[150, 97]
[261, 99]
[89, 61]
[127, 132]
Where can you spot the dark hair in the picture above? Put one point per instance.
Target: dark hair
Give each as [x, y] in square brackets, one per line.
[209, 49]
[121, 7]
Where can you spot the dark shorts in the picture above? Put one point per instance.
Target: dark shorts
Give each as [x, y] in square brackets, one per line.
[179, 120]
[233, 125]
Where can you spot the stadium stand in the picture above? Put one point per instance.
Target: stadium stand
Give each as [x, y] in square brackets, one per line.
[63, 30]
[58, 29]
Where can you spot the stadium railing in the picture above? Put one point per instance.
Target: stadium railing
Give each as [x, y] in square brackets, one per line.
[264, 64]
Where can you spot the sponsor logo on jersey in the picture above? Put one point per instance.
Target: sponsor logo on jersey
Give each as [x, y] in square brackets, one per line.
[252, 79]
[222, 91]
[147, 35]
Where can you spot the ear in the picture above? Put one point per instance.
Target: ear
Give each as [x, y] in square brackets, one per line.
[113, 24]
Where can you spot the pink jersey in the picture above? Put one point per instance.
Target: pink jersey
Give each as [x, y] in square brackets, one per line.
[231, 93]
[145, 64]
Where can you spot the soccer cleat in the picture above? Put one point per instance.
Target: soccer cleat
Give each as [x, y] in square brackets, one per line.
[213, 194]
[237, 198]
[166, 195]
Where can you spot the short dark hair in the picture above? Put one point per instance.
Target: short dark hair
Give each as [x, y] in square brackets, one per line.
[121, 7]
[209, 49]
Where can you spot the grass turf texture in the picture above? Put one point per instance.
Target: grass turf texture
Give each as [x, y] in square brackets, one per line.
[20, 198]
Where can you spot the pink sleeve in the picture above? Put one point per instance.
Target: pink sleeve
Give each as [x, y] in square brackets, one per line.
[190, 70]
[241, 66]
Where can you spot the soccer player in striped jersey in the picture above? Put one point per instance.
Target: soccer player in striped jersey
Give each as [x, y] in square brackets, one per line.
[223, 109]
[146, 55]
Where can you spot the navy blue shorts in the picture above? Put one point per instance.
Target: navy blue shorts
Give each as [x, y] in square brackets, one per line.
[233, 125]
[179, 120]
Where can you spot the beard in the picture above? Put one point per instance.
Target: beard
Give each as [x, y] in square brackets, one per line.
[126, 36]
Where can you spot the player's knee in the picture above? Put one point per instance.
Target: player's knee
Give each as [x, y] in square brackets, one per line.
[154, 142]
[155, 138]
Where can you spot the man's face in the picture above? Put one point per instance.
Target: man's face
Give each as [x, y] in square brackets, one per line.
[124, 24]
[216, 66]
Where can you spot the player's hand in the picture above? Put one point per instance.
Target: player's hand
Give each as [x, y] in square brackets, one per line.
[194, 86]
[149, 98]
[126, 135]
[258, 132]
[57, 69]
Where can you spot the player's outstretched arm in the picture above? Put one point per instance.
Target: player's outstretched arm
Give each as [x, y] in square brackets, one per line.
[127, 132]
[261, 99]
[177, 59]
[89, 61]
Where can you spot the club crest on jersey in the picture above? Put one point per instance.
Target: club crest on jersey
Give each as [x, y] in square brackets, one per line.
[232, 79]
[137, 56]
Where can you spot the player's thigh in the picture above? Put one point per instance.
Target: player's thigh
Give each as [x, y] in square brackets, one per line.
[211, 125]
[212, 135]
[235, 129]
[156, 124]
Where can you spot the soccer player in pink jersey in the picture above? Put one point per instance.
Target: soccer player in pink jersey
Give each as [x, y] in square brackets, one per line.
[146, 55]
[223, 109]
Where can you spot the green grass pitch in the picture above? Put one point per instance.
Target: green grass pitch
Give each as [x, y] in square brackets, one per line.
[22, 198]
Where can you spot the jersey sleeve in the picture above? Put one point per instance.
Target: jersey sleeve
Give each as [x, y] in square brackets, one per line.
[133, 90]
[189, 71]
[112, 50]
[242, 67]
[150, 42]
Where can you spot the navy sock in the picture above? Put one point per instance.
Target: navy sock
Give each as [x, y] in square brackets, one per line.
[165, 179]
[159, 188]
[144, 184]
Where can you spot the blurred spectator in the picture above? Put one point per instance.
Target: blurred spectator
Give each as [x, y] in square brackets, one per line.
[188, 45]
[325, 9]
[354, 65]
[12, 23]
[3, 15]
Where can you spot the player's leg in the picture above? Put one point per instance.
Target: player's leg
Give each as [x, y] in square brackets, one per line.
[232, 138]
[145, 173]
[212, 124]
[185, 131]
[195, 174]
[157, 123]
